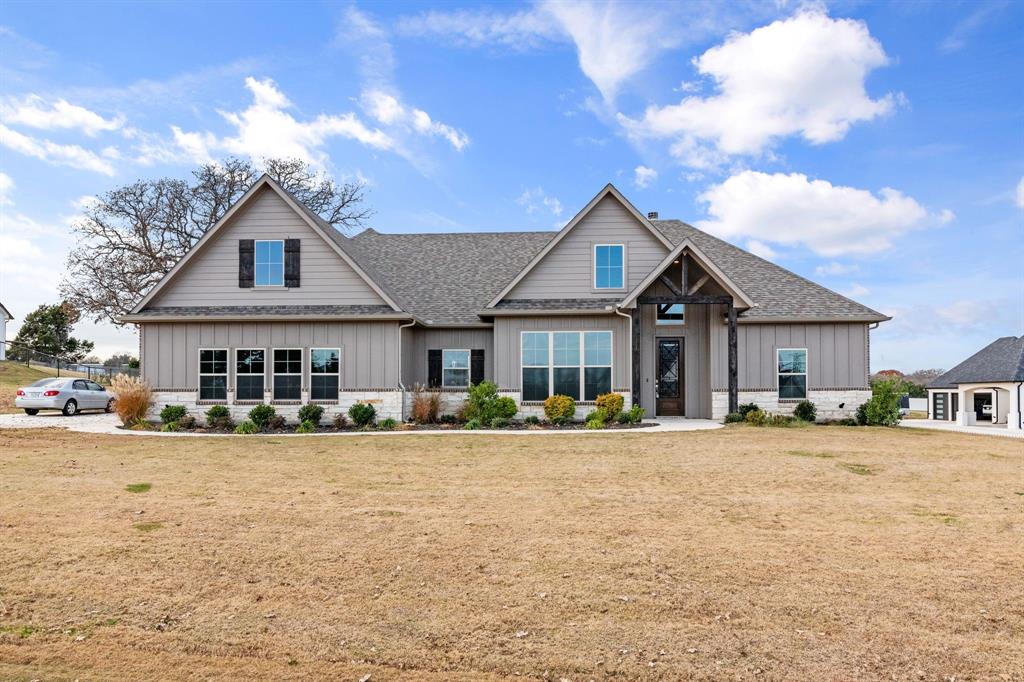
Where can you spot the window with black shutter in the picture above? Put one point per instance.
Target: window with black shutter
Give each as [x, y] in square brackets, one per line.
[434, 368]
[291, 263]
[246, 263]
[476, 366]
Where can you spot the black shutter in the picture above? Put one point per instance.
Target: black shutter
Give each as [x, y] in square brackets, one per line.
[476, 366]
[434, 368]
[291, 262]
[246, 262]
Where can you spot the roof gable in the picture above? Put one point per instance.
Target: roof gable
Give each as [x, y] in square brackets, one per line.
[363, 286]
[1002, 360]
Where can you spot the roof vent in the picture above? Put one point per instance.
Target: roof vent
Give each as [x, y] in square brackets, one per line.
[652, 215]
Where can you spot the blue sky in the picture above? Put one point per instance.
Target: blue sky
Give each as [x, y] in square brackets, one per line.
[875, 148]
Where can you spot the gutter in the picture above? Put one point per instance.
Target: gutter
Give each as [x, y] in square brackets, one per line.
[400, 384]
[141, 319]
[633, 392]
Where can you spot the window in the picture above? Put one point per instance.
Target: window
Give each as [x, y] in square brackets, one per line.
[792, 372]
[608, 266]
[269, 262]
[576, 364]
[93, 386]
[674, 313]
[455, 366]
[324, 369]
[287, 374]
[213, 374]
[249, 373]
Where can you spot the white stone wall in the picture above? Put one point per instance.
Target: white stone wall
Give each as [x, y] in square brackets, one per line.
[387, 403]
[451, 401]
[827, 402]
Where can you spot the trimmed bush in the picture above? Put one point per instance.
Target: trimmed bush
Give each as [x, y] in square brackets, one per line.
[559, 407]
[447, 419]
[261, 414]
[362, 414]
[187, 422]
[426, 405]
[218, 417]
[611, 403]
[340, 421]
[862, 415]
[169, 426]
[733, 418]
[305, 426]
[532, 420]
[134, 398]
[782, 420]
[172, 413]
[747, 408]
[595, 424]
[485, 405]
[634, 415]
[277, 422]
[388, 424]
[599, 415]
[805, 411]
[311, 413]
[472, 425]
[756, 417]
[247, 427]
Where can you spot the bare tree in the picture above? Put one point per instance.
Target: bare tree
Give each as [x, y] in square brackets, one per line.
[133, 235]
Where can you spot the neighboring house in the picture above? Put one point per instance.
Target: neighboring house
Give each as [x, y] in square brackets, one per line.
[5, 315]
[984, 388]
[275, 305]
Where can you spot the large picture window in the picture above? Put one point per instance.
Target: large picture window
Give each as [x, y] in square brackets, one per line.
[249, 372]
[324, 370]
[576, 364]
[609, 266]
[287, 374]
[792, 364]
[455, 368]
[213, 374]
[269, 262]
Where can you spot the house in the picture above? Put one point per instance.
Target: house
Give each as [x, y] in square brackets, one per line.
[983, 389]
[5, 315]
[275, 305]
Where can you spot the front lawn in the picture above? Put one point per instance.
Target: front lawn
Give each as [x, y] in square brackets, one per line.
[815, 553]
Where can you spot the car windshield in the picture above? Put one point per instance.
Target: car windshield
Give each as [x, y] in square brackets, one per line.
[47, 382]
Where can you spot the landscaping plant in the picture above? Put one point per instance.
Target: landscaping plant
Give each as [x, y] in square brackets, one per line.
[485, 405]
[633, 415]
[218, 417]
[733, 418]
[388, 424]
[187, 422]
[805, 411]
[362, 414]
[883, 409]
[340, 421]
[247, 427]
[277, 422]
[756, 417]
[611, 403]
[311, 413]
[426, 405]
[472, 425]
[305, 426]
[559, 408]
[747, 408]
[261, 415]
[172, 413]
[134, 398]
[532, 420]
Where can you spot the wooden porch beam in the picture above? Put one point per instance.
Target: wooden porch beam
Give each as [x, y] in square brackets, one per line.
[671, 285]
[697, 285]
[689, 298]
[734, 398]
[684, 267]
[635, 328]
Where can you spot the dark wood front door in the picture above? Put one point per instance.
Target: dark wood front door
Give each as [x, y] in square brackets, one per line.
[670, 378]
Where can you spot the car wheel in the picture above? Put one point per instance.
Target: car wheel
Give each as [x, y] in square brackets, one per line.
[70, 408]
[31, 411]
[110, 406]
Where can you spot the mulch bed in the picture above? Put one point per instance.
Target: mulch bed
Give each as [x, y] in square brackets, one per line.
[328, 428]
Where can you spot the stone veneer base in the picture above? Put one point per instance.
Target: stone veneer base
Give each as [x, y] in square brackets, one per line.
[826, 400]
[387, 403]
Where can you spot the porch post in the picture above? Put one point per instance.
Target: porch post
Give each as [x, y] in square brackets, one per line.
[634, 384]
[734, 396]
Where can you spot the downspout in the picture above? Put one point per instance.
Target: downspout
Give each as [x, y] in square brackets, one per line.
[1020, 412]
[632, 389]
[401, 386]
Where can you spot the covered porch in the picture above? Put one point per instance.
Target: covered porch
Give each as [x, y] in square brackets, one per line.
[996, 405]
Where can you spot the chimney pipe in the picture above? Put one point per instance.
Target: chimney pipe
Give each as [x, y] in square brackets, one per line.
[652, 215]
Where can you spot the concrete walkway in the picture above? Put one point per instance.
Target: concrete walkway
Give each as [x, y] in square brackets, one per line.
[92, 422]
[1000, 431]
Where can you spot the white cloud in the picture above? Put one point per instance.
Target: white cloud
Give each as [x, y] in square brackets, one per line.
[856, 291]
[799, 76]
[6, 185]
[34, 112]
[833, 269]
[945, 216]
[793, 210]
[759, 248]
[969, 25]
[643, 176]
[1020, 194]
[519, 30]
[389, 111]
[536, 199]
[59, 154]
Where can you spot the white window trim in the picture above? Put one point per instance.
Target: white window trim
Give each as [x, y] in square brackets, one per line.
[582, 366]
[201, 373]
[284, 258]
[807, 356]
[234, 371]
[274, 374]
[323, 374]
[593, 269]
[469, 366]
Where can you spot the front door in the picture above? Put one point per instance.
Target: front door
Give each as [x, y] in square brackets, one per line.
[670, 378]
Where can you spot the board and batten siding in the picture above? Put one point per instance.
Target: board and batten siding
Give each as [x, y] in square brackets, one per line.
[696, 353]
[416, 341]
[211, 277]
[567, 271]
[837, 353]
[507, 356]
[369, 350]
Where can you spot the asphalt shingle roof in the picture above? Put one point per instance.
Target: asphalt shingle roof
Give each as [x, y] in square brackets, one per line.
[557, 304]
[1002, 360]
[263, 310]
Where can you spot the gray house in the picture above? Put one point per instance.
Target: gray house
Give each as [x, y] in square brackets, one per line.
[984, 389]
[275, 305]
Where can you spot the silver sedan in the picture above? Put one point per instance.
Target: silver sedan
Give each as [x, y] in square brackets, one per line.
[70, 396]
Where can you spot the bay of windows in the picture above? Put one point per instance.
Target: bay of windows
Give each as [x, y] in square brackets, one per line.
[609, 266]
[213, 374]
[792, 365]
[249, 372]
[324, 369]
[287, 374]
[576, 364]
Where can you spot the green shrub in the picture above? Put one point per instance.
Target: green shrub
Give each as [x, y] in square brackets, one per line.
[862, 415]
[311, 413]
[846, 421]
[169, 426]
[805, 411]
[782, 420]
[623, 418]
[756, 417]
[172, 413]
[388, 424]
[532, 420]
[599, 415]
[560, 421]
[305, 426]
[559, 407]
[611, 403]
[218, 417]
[595, 424]
[362, 414]
[634, 415]
[883, 411]
[500, 423]
[277, 422]
[485, 405]
[447, 419]
[247, 427]
[340, 421]
[187, 422]
[733, 418]
[472, 425]
[746, 409]
[261, 414]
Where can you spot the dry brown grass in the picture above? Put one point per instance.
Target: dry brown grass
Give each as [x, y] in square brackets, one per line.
[817, 553]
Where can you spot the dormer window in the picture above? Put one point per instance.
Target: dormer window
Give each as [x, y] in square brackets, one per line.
[269, 263]
[609, 266]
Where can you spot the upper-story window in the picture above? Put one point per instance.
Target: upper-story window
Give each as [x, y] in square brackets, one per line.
[671, 313]
[609, 266]
[269, 263]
